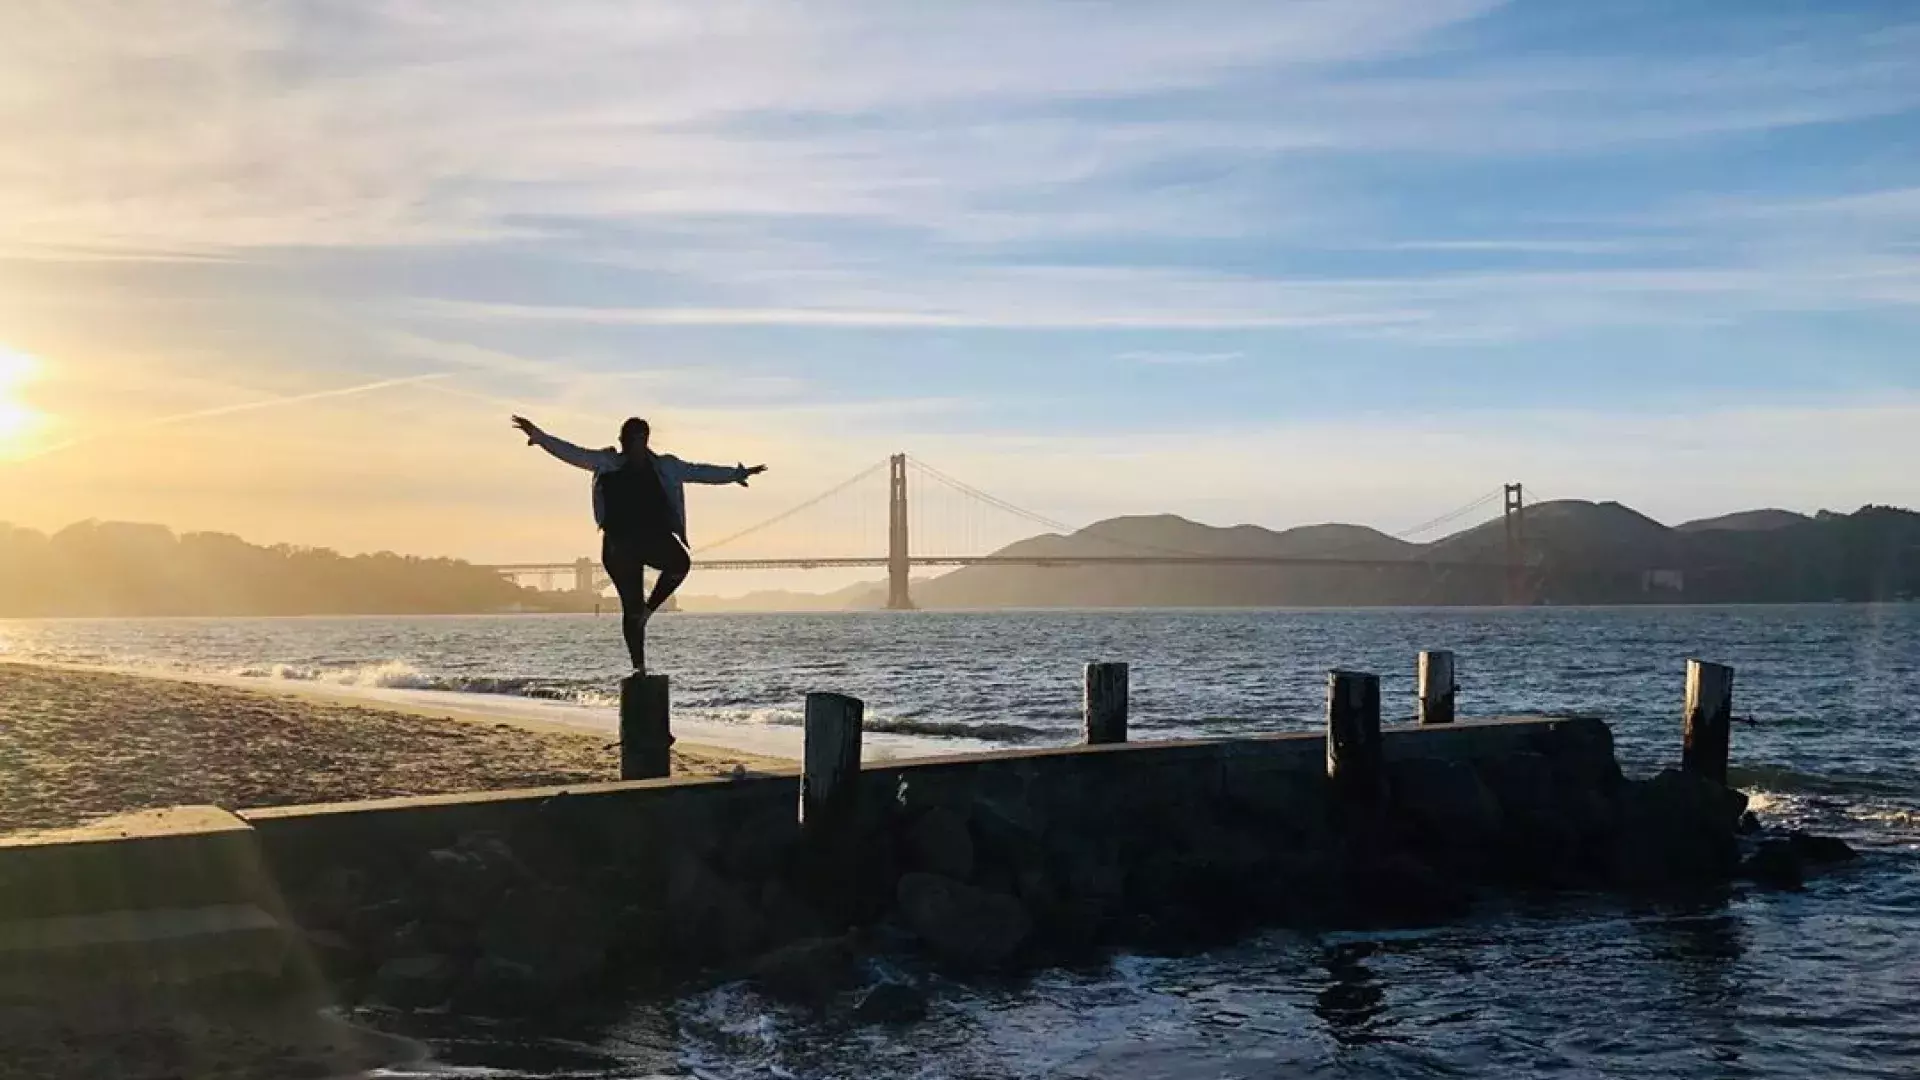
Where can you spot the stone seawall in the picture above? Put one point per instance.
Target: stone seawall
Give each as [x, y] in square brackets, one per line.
[515, 900]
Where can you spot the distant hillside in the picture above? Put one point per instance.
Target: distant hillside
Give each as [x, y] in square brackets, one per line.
[1576, 552]
[115, 568]
[866, 594]
[1164, 586]
[1747, 521]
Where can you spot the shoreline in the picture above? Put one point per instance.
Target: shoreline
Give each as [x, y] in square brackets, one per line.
[532, 715]
[760, 747]
[79, 743]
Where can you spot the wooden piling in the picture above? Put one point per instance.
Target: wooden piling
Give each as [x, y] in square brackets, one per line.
[646, 734]
[1355, 759]
[1709, 720]
[1104, 709]
[830, 759]
[1437, 687]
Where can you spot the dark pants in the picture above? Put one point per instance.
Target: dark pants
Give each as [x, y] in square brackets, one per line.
[626, 559]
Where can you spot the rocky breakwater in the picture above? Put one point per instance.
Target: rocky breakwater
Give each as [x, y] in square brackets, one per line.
[993, 863]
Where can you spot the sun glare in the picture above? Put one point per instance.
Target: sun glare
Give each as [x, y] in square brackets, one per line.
[18, 420]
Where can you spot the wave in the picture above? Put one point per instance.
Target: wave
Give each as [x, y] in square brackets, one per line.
[1790, 781]
[959, 729]
[400, 675]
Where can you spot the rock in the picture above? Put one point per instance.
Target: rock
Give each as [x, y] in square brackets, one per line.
[415, 982]
[1581, 753]
[1821, 849]
[1522, 784]
[1401, 889]
[1444, 801]
[939, 842]
[710, 917]
[761, 847]
[962, 925]
[557, 936]
[891, 1003]
[465, 880]
[337, 957]
[1006, 834]
[810, 971]
[1677, 828]
[1775, 863]
[786, 915]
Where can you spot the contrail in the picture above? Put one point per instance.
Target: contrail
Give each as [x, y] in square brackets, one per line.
[227, 410]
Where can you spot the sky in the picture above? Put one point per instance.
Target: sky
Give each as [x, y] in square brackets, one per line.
[284, 269]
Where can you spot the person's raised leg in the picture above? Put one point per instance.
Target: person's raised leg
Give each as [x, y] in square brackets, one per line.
[669, 557]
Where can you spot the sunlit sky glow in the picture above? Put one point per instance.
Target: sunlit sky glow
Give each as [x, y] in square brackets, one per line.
[1278, 263]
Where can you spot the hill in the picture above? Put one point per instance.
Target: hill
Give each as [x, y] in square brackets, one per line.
[1171, 586]
[118, 569]
[1747, 521]
[1575, 552]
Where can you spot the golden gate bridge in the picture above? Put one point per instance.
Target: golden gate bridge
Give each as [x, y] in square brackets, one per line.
[954, 518]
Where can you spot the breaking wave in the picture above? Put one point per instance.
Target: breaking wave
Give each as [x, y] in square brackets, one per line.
[400, 675]
[1790, 781]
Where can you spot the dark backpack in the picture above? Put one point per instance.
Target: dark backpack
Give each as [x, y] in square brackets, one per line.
[633, 502]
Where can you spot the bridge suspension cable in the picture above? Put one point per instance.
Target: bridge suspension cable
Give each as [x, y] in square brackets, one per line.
[796, 510]
[1449, 516]
[994, 501]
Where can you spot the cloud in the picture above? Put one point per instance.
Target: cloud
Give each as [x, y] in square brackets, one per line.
[1179, 358]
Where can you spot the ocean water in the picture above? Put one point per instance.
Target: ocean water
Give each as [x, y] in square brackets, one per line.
[1746, 984]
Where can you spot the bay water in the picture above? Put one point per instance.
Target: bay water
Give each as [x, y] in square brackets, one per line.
[1744, 983]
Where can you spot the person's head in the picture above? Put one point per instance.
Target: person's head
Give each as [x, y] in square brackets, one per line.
[633, 435]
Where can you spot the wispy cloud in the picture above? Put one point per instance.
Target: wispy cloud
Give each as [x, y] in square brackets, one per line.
[1179, 358]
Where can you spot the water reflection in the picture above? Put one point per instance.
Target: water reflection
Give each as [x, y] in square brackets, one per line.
[1353, 1002]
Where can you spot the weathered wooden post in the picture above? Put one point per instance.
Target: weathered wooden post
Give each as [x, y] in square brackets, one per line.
[1709, 720]
[1355, 758]
[830, 760]
[646, 735]
[1436, 687]
[1105, 707]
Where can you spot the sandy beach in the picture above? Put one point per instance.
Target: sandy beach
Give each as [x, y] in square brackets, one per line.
[79, 744]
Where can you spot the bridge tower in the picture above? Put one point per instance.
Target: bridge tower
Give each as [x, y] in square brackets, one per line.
[583, 574]
[898, 596]
[1515, 517]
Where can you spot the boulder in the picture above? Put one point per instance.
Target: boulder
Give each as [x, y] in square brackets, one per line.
[939, 842]
[711, 918]
[890, 1003]
[1775, 863]
[810, 971]
[1817, 850]
[786, 915]
[557, 937]
[463, 882]
[1397, 888]
[761, 846]
[415, 982]
[1006, 833]
[1444, 802]
[962, 925]
[1581, 751]
[1677, 828]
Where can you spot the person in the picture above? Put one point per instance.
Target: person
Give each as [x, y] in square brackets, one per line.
[640, 505]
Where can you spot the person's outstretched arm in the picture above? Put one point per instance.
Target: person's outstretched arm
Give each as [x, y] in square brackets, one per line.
[693, 472]
[577, 456]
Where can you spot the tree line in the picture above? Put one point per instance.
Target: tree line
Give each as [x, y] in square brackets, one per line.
[122, 569]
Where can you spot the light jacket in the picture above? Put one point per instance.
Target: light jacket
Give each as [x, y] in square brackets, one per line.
[674, 474]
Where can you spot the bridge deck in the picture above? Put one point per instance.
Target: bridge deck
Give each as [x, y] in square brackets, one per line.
[804, 563]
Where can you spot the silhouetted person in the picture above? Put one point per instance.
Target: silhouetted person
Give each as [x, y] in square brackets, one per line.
[640, 504]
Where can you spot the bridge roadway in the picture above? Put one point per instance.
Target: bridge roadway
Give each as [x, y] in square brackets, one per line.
[1039, 560]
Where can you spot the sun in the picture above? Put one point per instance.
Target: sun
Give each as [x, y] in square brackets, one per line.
[18, 420]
